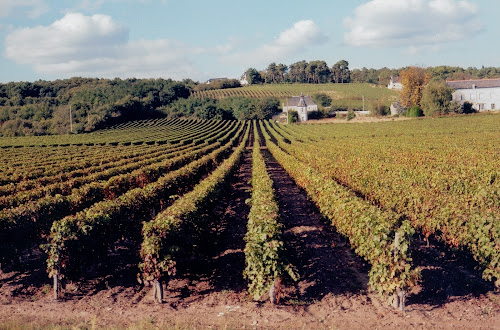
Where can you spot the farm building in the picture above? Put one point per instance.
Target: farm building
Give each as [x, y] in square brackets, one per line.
[302, 104]
[397, 109]
[484, 94]
[211, 80]
[243, 79]
[395, 84]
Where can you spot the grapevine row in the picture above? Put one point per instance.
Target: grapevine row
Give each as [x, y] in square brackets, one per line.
[165, 237]
[76, 178]
[27, 222]
[264, 251]
[453, 196]
[88, 233]
[381, 237]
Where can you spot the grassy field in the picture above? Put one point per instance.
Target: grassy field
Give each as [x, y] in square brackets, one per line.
[348, 95]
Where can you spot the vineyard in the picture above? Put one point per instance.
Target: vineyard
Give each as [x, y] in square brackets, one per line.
[350, 95]
[147, 193]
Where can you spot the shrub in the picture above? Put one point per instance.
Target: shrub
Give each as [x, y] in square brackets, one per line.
[380, 110]
[322, 99]
[315, 115]
[414, 111]
[350, 114]
[293, 116]
[467, 108]
[436, 99]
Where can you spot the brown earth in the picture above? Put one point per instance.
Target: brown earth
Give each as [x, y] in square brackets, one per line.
[209, 290]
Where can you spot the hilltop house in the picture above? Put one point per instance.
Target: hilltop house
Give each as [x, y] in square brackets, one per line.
[211, 80]
[484, 94]
[243, 79]
[395, 84]
[302, 104]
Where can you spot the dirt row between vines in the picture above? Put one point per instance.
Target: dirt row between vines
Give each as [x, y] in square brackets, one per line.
[209, 290]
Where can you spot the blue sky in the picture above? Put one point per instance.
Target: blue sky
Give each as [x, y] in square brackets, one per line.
[52, 39]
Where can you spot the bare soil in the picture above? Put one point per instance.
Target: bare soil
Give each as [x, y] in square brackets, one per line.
[209, 290]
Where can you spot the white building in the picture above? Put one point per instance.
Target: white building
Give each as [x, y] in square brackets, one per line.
[395, 84]
[397, 109]
[243, 79]
[211, 80]
[302, 104]
[484, 94]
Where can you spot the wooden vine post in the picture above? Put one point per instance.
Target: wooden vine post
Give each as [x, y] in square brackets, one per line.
[57, 286]
[275, 291]
[157, 292]
[400, 295]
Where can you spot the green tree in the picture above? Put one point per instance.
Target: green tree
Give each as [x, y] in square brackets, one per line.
[311, 72]
[340, 72]
[380, 109]
[350, 114]
[322, 99]
[384, 75]
[271, 73]
[267, 107]
[243, 107]
[414, 111]
[317, 72]
[436, 99]
[293, 116]
[282, 70]
[297, 72]
[253, 77]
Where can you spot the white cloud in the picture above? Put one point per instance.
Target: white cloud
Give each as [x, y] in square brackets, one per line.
[79, 45]
[74, 37]
[98, 46]
[296, 39]
[412, 23]
[31, 8]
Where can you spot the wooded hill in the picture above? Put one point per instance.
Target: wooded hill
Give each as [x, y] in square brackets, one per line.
[79, 105]
[45, 107]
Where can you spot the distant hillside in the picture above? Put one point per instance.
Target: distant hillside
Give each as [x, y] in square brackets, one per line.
[81, 104]
[343, 95]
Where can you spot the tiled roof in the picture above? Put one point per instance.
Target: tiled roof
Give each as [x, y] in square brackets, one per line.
[469, 84]
[395, 79]
[295, 100]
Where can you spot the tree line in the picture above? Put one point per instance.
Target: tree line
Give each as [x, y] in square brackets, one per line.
[239, 108]
[82, 104]
[318, 71]
[314, 72]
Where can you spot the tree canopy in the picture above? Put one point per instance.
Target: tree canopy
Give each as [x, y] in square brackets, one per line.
[240, 108]
[43, 107]
[436, 99]
[414, 80]
[317, 71]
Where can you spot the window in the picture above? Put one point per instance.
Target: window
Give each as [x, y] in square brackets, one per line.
[472, 97]
[493, 106]
[481, 106]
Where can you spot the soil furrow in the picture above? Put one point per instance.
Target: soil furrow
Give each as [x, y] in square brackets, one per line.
[324, 261]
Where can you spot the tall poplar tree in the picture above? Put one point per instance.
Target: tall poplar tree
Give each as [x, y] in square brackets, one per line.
[414, 80]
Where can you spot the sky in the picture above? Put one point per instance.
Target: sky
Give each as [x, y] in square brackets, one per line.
[202, 39]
